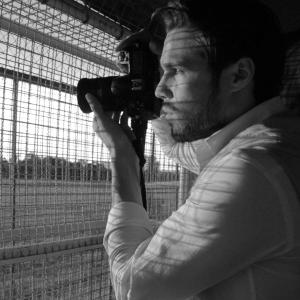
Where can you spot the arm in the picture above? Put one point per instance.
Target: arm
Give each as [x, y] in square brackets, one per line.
[124, 161]
[232, 219]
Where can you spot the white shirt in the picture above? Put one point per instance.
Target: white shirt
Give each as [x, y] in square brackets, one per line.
[237, 237]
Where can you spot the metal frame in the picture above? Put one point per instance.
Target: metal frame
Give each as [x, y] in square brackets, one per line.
[88, 16]
[35, 35]
[14, 255]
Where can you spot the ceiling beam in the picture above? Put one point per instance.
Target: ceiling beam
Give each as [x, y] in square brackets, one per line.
[88, 16]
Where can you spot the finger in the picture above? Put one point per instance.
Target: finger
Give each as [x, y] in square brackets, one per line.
[109, 114]
[102, 120]
[126, 128]
[94, 105]
[124, 119]
[97, 129]
[116, 117]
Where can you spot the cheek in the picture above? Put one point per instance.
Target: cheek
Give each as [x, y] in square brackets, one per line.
[193, 87]
[192, 98]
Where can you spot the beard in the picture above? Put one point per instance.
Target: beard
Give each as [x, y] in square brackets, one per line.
[198, 124]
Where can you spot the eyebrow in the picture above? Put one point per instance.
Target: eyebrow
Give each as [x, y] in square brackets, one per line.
[172, 64]
[183, 60]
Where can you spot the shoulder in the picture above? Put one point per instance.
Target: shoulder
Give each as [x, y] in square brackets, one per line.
[249, 167]
[244, 168]
[277, 134]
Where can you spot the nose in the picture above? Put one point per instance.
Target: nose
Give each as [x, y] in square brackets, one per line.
[163, 90]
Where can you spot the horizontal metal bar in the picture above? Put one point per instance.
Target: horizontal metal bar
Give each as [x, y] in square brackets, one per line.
[53, 42]
[24, 253]
[88, 16]
[59, 86]
[17, 254]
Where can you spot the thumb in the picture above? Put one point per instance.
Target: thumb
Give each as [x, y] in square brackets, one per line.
[102, 120]
[94, 105]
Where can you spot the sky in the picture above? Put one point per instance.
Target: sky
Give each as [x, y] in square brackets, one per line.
[49, 123]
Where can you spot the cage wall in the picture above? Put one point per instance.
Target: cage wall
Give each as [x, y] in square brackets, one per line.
[55, 176]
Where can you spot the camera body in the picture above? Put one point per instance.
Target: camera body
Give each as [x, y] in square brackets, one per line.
[133, 92]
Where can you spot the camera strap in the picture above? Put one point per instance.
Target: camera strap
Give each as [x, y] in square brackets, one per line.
[139, 128]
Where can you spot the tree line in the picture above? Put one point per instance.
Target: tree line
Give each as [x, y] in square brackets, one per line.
[56, 168]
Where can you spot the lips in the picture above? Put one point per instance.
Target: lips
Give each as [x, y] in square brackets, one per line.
[167, 109]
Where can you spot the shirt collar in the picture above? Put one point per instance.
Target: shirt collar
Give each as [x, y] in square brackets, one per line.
[259, 113]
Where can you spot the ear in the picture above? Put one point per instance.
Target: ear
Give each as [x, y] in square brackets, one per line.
[240, 74]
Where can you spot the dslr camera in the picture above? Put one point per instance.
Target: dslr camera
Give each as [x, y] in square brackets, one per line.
[133, 92]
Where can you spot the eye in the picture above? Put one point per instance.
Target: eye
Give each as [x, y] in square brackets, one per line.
[173, 71]
[178, 70]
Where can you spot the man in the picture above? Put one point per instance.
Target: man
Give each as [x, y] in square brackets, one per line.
[237, 237]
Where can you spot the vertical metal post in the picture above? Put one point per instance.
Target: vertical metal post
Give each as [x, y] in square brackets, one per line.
[13, 168]
[152, 159]
[13, 163]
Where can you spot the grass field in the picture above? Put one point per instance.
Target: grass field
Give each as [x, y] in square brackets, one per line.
[44, 211]
[81, 275]
[34, 212]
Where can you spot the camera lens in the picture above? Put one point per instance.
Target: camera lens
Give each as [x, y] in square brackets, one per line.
[111, 92]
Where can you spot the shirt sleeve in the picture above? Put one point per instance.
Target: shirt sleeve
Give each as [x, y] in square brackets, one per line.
[232, 219]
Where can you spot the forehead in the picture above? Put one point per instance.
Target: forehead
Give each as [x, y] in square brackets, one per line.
[183, 43]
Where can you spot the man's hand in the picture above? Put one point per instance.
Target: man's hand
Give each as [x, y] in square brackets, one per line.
[112, 129]
[117, 136]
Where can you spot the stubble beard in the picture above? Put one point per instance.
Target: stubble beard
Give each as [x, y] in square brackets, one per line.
[204, 122]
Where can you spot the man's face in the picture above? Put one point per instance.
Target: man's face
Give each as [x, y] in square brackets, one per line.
[190, 99]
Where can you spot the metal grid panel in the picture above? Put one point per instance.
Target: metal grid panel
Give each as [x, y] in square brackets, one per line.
[41, 57]
[81, 275]
[54, 172]
[50, 156]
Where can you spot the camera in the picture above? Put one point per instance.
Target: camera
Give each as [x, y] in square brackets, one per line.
[133, 92]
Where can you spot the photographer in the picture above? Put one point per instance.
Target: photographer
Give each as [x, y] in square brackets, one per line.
[237, 237]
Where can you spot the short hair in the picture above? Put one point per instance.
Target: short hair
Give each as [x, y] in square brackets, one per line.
[234, 29]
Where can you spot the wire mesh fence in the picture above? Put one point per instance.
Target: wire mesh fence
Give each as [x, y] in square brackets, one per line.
[80, 275]
[55, 177]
